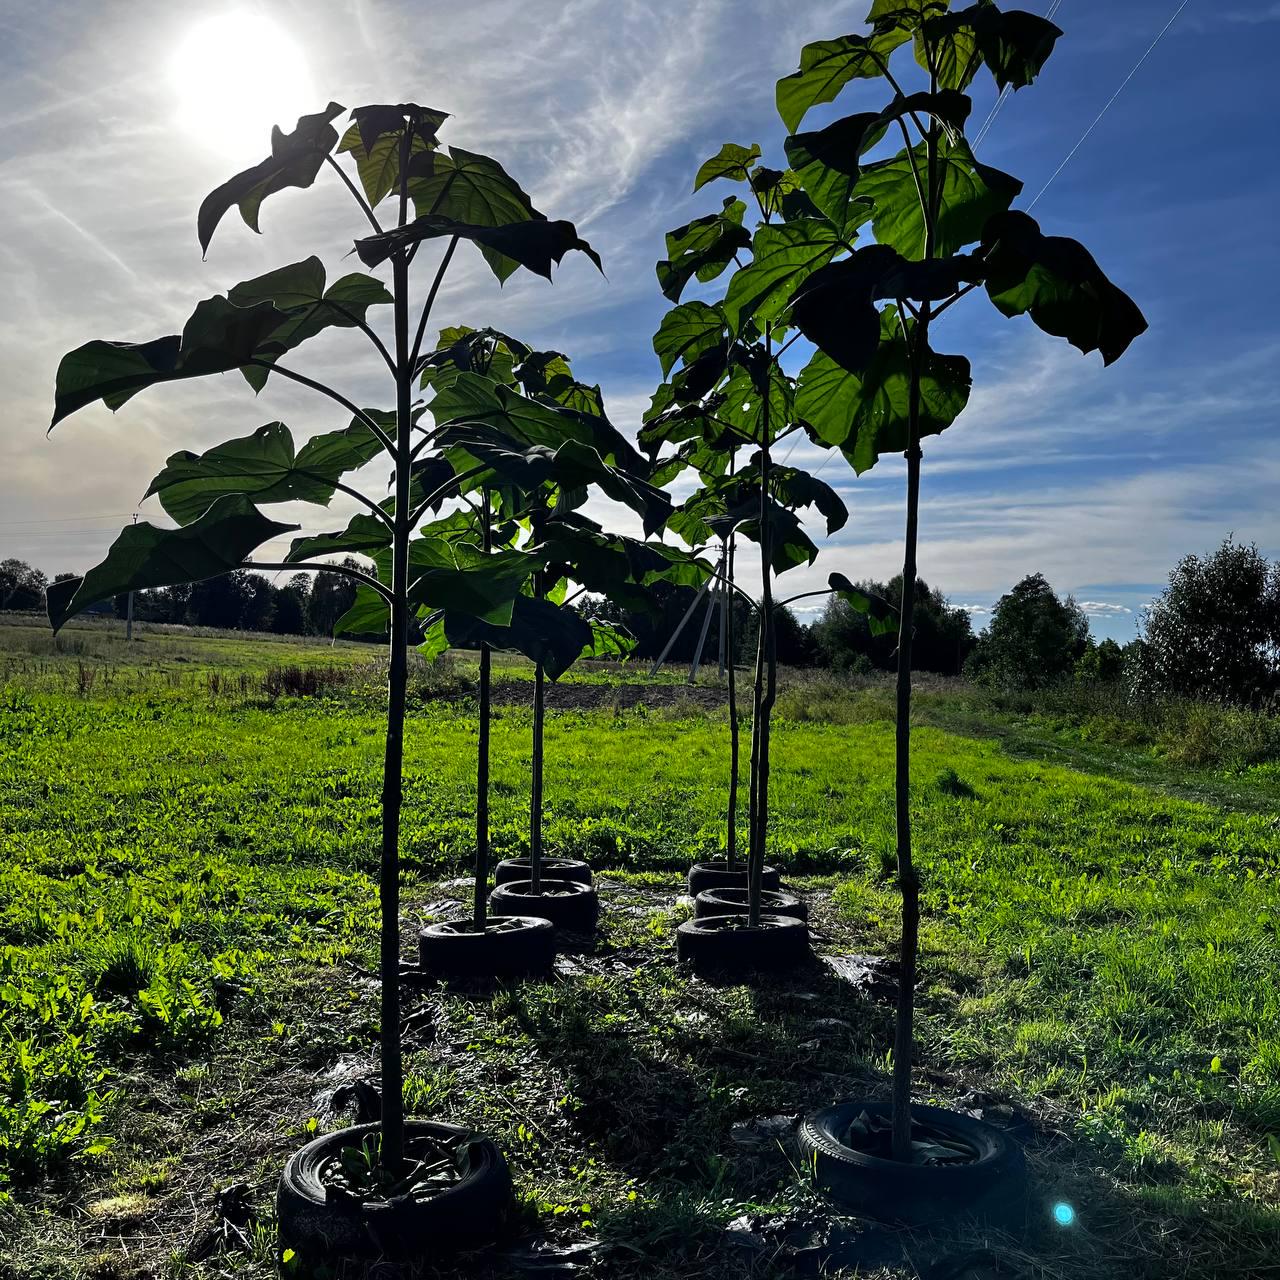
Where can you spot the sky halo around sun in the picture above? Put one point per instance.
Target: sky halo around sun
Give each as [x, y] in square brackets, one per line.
[234, 73]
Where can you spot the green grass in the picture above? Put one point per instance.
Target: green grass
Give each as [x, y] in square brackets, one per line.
[188, 917]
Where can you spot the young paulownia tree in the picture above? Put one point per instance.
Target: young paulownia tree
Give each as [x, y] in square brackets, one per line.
[536, 495]
[729, 407]
[435, 195]
[942, 226]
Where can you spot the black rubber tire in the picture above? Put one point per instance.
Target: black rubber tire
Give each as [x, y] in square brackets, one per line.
[510, 869]
[465, 1216]
[992, 1189]
[733, 902]
[446, 954]
[715, 874]
[725, 947]
[571, 906]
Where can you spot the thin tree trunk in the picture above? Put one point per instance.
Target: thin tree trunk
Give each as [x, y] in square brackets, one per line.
[535, 796]
[908, 880]
[482, 759]
[766, 666]
[539, 716]
[731, 846]
[393, 764]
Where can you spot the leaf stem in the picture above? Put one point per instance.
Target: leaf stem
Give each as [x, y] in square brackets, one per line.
[342, 570]
[430, 302]
[355, 195]
[365, 500]
[301, 378]
[366, 329]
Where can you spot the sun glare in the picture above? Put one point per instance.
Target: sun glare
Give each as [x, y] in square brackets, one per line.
[234, 76]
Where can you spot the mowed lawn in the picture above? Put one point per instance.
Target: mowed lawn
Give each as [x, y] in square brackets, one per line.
[186, 891]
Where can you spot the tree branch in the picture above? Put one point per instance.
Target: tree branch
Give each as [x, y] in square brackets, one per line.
[354, 408]
[442, 493]
[363, 325]
[342, 570]
[430, 302]
[355, 195]
[804, 595]
[375, 507]
[955, 297]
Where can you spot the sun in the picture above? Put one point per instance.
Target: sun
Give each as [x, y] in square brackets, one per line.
[234, 76]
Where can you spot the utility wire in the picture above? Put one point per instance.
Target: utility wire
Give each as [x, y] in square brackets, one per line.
[1006, 91]
[1136, 67]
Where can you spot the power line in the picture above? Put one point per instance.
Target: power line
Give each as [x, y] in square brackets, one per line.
[1136, 67]
[106, 515]
[1006, 91]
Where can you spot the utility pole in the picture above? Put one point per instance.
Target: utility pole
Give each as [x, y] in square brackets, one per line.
[128, 613]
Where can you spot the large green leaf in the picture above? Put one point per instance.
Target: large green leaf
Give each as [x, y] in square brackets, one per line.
[743, 407]
[218, 337]
[867, 415]
[467, 187]
[1014, 45]
[299, 292]
[702, 248]
[367, 616]
[729, 503]
[828, 162]
[970, 193]
[834, 308]
[617, 567]
[544, 632]
[488, 352]
[294, 161]
[536, 244]
[732, 161]
[882, 617]
[784, 254]
[472, 398]
[826, 66]
[264, 467]
[686, 332]
[796, 488]
[375, 140]
[471, 189]
[1057, 282]
[454, 575]
[145, 556]
[363, 535]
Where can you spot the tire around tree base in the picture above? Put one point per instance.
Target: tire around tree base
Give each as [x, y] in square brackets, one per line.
[571, 906]
[715, 874]
[510, 869]
[519, 947]
[727, 947]
[992, 1189]
[733, 902]
[466, 1215]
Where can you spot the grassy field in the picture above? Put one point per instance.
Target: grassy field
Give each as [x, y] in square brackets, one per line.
[187, 927]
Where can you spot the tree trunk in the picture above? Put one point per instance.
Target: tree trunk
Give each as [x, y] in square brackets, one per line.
[482, 759]
[535, 792]
[908, 881]
[392, 768]
[731, 844]
[766, 673]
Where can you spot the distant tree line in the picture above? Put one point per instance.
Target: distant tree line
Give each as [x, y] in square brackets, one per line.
[1214, 632]
[305, 604]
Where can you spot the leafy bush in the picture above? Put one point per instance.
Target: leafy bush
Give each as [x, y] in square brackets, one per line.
[1214, 632]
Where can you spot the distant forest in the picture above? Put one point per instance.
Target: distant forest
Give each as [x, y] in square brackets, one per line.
[1214, 632]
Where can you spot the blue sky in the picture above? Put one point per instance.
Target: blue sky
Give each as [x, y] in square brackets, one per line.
[1098, 478]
